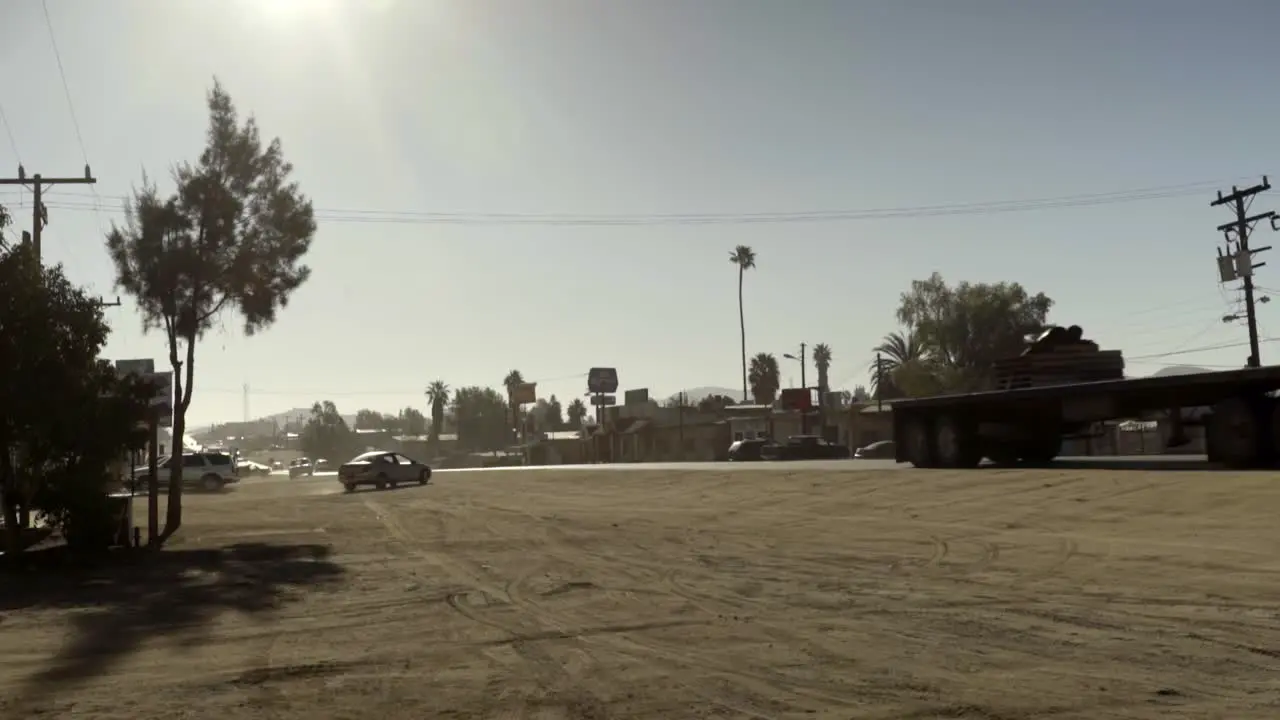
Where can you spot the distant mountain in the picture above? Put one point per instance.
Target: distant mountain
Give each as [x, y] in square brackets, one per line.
[1179, 370]
[261, 426]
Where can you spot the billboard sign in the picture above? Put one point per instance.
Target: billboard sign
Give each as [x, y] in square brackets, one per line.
[603, 400]
[163, 381]
[524, 393]
[635, 397]
[141, 368]
[602, 380]
[802, 399]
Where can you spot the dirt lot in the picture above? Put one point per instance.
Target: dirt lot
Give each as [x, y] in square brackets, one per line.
[905, 594]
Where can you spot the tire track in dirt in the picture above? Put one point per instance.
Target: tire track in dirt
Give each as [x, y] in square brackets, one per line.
[518, 654]
[805, 696]
[566, 551]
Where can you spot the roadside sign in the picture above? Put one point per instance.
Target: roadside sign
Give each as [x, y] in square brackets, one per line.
[524, 393]
[143, 367]
[163, 399]
[602, 380]
[636, 397]
[603, 400]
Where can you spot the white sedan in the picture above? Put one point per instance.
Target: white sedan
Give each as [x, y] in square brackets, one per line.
[382, 469]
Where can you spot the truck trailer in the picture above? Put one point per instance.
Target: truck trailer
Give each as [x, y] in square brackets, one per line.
[1062, 386]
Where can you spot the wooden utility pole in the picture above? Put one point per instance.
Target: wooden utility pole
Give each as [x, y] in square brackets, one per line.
[39, 213]
[1239, 264]
[879, 383]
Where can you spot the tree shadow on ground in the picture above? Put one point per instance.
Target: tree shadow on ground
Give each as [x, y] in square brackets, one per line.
[172, 596]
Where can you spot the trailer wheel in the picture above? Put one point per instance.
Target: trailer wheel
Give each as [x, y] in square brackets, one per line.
[1041, 450]
[918, 441]
[1001, 453]
[955, 443]
[1237, 432]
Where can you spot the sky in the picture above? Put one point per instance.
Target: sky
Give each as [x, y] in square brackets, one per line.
[512, 184]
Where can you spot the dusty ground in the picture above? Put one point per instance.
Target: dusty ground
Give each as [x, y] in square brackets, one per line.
[908, 594]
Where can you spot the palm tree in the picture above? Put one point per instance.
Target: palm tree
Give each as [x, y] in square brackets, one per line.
[764, 378]
[745, 258]
[822, 360]
[897, 349]
[513, 378]
[438, 395]
[575, 413]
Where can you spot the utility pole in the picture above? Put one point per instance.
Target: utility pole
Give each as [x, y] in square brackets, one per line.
[1239, 264]
[879, 383]
[680, 416]
[40, 213]
[804, 413]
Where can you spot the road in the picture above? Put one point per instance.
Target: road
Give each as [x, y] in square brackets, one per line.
[1130, 462]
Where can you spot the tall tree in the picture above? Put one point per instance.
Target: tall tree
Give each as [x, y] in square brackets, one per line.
[513, 378]
[481, 415]
[63, 418]
[555, 414]
[968, 327]
[822, 360]
[326, 434]
[896, 350]
[576, 413]
[715, 403]
[764, 377]
[745, 258]
[413, 422]
[367, 419]
[438, 396]
[230, 238]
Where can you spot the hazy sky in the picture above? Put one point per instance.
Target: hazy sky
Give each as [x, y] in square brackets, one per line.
[476, 109]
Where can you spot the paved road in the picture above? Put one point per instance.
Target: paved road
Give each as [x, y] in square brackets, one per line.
[1140, 462]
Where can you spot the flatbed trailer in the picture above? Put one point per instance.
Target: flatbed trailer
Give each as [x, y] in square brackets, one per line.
[1026, 426]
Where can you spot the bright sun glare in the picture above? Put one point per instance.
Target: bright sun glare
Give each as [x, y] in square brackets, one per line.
[294, 10]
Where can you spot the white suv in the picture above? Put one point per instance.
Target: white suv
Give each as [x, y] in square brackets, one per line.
[205, 470]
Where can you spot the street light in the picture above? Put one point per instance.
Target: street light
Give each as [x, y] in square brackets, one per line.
[804, 413]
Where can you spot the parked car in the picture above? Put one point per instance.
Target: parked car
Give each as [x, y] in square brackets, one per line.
[299, 467]
[204, 470]
[382, 469]
[320, 465]
[746, 450]
[804, 447]
[883, 450]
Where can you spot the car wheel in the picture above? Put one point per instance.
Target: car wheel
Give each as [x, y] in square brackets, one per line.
[349, 487]
[423, 477]
[381, 482]
[211, 482]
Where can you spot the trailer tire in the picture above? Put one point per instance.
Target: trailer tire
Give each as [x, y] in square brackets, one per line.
[955, 443]
[1041, 450]
[918, 435]
[1001, 453]
[1237, 432]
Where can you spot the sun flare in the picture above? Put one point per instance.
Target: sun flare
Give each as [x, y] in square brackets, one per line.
[294, 10]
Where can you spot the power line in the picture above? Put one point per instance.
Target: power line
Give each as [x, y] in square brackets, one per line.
[1204, 348]
[62, 73]
[415, 217]
[8, 130]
